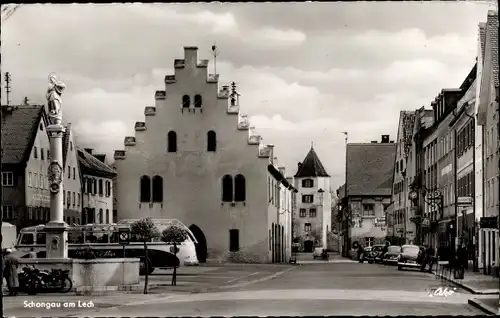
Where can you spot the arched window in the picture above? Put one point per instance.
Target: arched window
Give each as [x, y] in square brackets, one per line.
[186, 101]
[172, 141]
[239, 188]
[197, 101]
[157, 189]
[94, 186]
[211, 140]
[100, 187]
[227, 188]
[145, 189]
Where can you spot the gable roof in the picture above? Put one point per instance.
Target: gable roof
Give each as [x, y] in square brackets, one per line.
[92, 166]
[311, 166]
[65, 142]
[370, 168]
[20, 125]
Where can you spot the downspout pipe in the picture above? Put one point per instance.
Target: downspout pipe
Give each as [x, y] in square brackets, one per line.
[455, 161]
[474, 228]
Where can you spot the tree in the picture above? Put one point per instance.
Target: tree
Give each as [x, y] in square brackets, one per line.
[174, 235]
[145, 231]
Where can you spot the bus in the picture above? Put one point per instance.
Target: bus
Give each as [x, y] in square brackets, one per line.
[103, 239]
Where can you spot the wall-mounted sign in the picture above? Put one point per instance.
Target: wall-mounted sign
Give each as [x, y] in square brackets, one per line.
[464, 201]
[488, 222]
[379, 222]
[40, 197]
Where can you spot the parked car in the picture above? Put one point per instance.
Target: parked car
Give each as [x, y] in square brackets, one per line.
[364, 254]
[410, 257]
[375, 253]
[391, 257]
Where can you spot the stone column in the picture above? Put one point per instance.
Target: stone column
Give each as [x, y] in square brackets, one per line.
[56, 229]
[57, 236]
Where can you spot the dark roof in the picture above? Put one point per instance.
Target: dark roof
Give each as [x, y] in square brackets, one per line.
[311, 166]
[492, 30]
[66, 139]
[370, 168]
[92, 166]
[19, 128]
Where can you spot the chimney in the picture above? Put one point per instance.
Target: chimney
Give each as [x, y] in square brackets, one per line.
[299, 165]
[385, 139]
[191, 55]
[374, 141]
[271, 156]
[89, 150]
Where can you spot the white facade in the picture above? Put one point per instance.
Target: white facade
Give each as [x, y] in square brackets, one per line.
[315, 224]
[99, 203]
[72, 188]
[478, 179]
[37, 185]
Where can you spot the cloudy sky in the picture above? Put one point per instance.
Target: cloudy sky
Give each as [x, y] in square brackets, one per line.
[306, 72]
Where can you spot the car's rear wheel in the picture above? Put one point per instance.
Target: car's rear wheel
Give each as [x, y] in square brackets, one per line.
[399, 268]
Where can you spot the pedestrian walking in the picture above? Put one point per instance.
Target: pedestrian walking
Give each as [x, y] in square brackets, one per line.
[11, 265]
[32, 253]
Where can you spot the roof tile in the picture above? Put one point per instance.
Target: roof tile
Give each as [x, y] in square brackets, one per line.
[370, 168]
[311, 166]
[92, 165]
[19, 128]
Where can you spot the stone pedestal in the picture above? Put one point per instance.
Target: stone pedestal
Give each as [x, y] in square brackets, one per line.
[57, 240]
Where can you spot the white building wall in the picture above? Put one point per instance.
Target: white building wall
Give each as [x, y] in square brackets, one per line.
[478, 179]
[103, 204]
[37, 185]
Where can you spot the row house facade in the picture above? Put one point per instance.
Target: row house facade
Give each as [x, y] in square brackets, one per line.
[402, 230]
[488, 124]
[72, 189]
[25, 162]
[97, 188]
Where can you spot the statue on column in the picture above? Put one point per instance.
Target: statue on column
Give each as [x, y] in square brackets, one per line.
[54, 100]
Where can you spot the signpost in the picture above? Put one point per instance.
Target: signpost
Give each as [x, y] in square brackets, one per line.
[464, 201]
[124, 238]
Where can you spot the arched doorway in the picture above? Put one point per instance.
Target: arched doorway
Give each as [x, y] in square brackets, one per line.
[201, 247]
[308, 246]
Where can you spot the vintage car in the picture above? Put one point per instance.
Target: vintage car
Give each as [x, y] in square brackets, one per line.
[391, 257]
[410, 257]
[364, 254]
[375, 253]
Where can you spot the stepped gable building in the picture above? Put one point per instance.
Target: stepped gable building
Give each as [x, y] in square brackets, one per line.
[312, 219]
[196, 159]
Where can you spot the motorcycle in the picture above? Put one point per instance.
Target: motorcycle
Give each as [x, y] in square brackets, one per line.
[57, 280]
[29, 280]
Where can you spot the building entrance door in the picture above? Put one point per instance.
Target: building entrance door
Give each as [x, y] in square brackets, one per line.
[308, 246]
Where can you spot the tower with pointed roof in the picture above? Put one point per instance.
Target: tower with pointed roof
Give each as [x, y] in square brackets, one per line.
[312, 218]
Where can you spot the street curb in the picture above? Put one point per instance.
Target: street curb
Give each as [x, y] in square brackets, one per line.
[479, 305]
[467, 287]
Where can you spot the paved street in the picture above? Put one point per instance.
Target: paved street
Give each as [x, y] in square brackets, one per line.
[310, 289]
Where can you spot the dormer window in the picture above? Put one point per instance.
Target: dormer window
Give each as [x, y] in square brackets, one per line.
[186, 101]
[197, 101]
